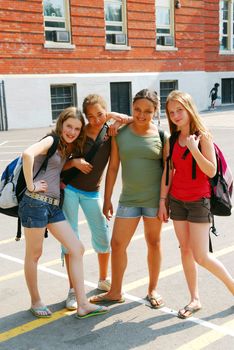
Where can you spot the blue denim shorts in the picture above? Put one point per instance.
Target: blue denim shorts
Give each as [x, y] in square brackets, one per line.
[135, 212]
[37, 214]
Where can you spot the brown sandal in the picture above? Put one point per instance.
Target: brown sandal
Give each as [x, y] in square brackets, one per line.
[102, 298]
[188, 311]
[155, 301]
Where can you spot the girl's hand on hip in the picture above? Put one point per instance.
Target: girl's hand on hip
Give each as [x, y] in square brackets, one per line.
[40, 186]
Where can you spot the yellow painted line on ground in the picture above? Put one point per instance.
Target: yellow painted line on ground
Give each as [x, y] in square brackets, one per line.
[30, 326]
[207, 339]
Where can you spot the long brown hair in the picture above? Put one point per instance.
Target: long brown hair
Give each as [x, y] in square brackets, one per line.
[196, 123]
[78, 144]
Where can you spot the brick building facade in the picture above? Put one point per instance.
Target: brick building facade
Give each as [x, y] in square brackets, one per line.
[55, 52]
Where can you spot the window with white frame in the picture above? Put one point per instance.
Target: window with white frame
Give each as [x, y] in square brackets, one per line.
[227, 25]
[166, 86]
[115, 20]
[57, 21]
[165, 22]
[62, 96]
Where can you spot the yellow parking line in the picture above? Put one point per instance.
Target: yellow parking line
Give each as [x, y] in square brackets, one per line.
[206, 339]
[28, 327]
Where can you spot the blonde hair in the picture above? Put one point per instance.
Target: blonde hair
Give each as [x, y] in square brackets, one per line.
[92, 99]
[78, 144]
[196, 123]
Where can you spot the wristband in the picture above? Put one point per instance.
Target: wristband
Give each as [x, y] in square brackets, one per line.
[163, 199]
[34, 187]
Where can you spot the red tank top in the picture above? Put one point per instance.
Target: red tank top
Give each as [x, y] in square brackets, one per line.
[183, 186]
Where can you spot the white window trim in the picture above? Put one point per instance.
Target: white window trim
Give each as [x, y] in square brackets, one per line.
[56, 45]
[230, 23]
[66, 19]
[172, 30]
[117, 47]
[110, 46]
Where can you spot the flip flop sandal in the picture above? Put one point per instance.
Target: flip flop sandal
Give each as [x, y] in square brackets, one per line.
[188, 312]
[37, 311]
[101, 298]
[99, 311]
[155, 301]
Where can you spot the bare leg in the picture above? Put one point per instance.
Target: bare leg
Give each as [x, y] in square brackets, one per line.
[64, 234]
[34, 242]
[123, 231]
[103, 259]
[66, 256]
[152, 235]
[188, 262]
[200, 247]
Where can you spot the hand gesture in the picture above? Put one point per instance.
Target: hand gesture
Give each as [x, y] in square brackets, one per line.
[192, 142]
[82, 165]
[40, 186]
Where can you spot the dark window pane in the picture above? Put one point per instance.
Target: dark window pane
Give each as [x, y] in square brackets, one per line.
[163, 30]
[55, 24]
[165, 88]
[114, 28]
[225, 28]
[121, 97]
[227, 90]
[61, 98]
[224, 44]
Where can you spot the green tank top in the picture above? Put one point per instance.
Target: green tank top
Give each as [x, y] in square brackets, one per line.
[140, 158]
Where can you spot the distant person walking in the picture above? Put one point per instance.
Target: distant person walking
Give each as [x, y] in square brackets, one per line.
[214, 95]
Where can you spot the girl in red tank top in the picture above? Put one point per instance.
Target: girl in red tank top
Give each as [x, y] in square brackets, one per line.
[189, 203]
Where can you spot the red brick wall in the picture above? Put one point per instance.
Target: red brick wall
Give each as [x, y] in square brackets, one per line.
[196, 27]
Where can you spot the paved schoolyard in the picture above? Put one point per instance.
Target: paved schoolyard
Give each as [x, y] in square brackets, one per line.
[131, 325]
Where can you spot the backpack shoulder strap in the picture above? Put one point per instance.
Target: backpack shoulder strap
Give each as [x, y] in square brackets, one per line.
[69, 174]
[172, 141]
[50, 153]
[161, 135]
[21, 184]
[89, 156]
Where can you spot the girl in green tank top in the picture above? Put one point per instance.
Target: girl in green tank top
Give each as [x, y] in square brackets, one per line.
[139, 150]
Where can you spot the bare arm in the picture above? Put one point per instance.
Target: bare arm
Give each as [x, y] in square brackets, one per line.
[28, 156]
[78, 163]
[111, 176]
[163, 201]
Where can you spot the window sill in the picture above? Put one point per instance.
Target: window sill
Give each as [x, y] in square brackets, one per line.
[56, 45]
[226, 52]
[117, 47]
[166, 48]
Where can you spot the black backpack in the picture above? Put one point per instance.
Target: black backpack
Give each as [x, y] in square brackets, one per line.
[20, 187]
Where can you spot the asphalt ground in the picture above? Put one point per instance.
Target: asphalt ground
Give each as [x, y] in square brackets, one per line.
[132, 325]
